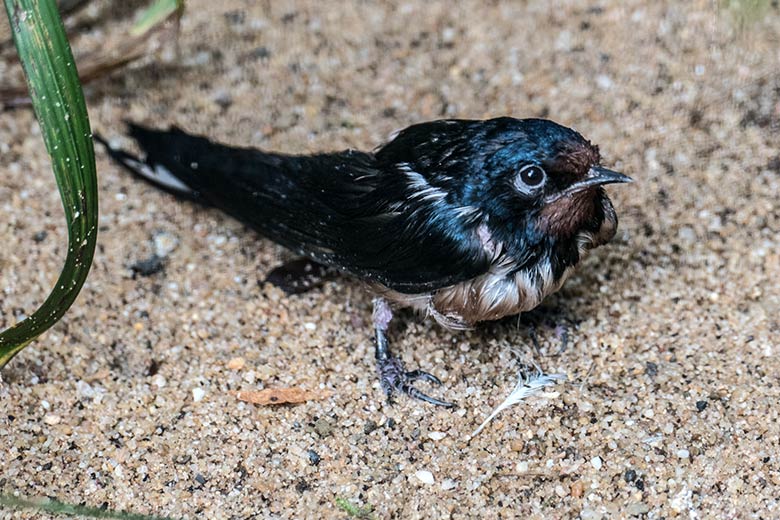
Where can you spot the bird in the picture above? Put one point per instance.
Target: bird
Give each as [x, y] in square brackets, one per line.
[463, 220]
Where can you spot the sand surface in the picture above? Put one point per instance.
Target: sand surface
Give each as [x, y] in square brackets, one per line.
[671, 408]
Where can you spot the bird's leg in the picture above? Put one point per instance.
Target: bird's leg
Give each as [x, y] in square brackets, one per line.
[392, 374]
[560, 331]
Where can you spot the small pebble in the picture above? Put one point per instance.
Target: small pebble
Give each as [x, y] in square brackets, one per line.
[314, 457]
[370, 426]
[437, 436]
[683, 454]
[323, 427]
[164, 243]
[236, 363]
[448, 484]
[596, 462]
[84, 390]
[424, 476]
[152, 265]
[198, 394]
[637, 509]
[51, 419]
[590, 514]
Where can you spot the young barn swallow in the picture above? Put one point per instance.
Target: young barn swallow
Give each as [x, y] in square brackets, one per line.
[465, 221]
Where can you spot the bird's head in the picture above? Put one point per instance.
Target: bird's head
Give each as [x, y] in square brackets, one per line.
[523, 174]
[549, 176]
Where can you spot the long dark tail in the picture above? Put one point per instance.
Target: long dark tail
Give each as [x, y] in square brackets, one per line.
[276, 194]
[188, 166]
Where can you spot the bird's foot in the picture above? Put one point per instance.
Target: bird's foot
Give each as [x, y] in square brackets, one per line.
[395, 378]
[560, 331]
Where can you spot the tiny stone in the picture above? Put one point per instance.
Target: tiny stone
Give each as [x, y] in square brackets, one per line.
[630, 475]
[604, 82]
[314, 457]
[261, 53]
[236, 363]
[223, 99]
[198, 394]
[164, 243]
[152, 265]
[302, 486]
[637, 509]
[577, 489]
[323, 427]
[701, 405]
[596, 462]
[84, 390]
[436, 436]
[426, 477]
[200, 479]
[590, 514]
[448, 484]
[683, 454]
[369, 427]
[52, 419]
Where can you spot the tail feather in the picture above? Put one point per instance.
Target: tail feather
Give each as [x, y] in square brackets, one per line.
[153, 172]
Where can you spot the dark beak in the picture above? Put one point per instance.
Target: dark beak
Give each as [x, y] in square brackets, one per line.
[596, 176]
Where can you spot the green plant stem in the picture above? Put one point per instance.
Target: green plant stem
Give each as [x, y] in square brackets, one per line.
[59, 105]
[56, 507]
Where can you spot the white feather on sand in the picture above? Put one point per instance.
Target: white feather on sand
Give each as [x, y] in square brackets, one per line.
[529, 383]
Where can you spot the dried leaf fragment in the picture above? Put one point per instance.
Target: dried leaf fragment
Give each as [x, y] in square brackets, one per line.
[272, 396]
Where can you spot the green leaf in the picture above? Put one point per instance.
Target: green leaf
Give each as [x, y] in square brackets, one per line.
[353, 510]
[60, 508]
[156, 13]
[62, 114]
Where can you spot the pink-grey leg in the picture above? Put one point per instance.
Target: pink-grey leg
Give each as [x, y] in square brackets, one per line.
[392, 374]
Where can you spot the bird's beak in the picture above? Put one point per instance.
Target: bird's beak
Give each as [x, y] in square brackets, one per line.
[596, 176]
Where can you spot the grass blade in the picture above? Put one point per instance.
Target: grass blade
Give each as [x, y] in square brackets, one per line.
[59, 105]
[157, 13]
[60, 508]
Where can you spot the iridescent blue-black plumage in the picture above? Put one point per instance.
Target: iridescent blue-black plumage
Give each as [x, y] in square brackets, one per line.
[469, 220]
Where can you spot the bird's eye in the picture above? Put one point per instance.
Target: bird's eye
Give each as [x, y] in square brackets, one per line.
[530, 176]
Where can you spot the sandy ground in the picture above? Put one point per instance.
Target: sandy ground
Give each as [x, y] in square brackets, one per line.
[671, 408]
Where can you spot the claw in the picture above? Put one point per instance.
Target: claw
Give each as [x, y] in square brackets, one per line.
[416, 375]
[417, 394]
[392, 375]
[394, 378]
